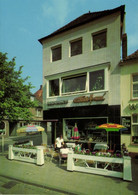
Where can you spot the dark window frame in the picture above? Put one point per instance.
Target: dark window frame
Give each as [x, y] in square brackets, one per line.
[99, 39]
[56, 53]
[74, 48]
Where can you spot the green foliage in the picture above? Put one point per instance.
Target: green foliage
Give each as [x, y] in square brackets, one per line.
[14, 93]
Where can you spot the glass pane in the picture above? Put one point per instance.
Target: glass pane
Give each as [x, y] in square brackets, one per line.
[135, 118]
[54, 87]
[97, 80]
[76, 47]
[99, 40]
[56, 54]
[135, 78]
[135, 90]
[74, 84]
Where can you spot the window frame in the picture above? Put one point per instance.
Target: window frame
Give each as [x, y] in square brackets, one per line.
[87, 86]
[132, 84]
[70, 77]
[72, 42]
[104, 80]
[134, 124]
[54, 48]
[49, 88]
[96, 34]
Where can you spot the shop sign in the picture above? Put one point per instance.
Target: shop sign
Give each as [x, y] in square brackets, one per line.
[57, 102]
[126, 121]
[90, 98]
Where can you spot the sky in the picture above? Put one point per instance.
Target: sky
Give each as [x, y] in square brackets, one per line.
[23, 22]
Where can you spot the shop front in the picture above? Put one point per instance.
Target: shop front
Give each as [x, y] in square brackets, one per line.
[84, 119]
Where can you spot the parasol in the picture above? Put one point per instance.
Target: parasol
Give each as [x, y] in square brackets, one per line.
[30, 128]
[112, 127]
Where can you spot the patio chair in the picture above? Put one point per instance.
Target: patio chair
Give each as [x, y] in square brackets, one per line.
[63, 155]
[50, 153]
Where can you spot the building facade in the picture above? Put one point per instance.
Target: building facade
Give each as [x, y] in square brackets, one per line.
[129, 101]
[81, 76]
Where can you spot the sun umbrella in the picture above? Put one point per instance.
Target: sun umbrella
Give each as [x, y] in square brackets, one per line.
[30, 128]
[112, 127]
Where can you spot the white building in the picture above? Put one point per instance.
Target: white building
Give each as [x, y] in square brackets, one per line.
[81, 76]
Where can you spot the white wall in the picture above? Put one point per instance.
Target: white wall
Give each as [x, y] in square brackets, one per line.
[89, 58]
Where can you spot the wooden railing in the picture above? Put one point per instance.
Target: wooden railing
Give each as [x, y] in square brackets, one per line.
[25, 154]
[101, 165]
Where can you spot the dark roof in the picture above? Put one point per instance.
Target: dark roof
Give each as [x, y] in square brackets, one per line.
[133, 56]
[86, 18]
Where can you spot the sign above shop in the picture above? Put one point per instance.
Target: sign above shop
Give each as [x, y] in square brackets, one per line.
[57, 102]
[90, 98]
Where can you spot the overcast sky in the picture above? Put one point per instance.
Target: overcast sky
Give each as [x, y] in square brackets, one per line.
[23, 22]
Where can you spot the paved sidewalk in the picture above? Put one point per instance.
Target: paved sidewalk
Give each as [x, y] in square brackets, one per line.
[55, 177]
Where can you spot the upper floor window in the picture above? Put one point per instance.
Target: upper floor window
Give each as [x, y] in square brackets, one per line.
[96, 80]
[76, 47]
[99, 40]
[54, 87]
[135, 86]
[74, 84]
[56, 53]
[79, 83]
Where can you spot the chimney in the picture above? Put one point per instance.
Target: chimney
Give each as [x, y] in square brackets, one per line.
[40, 86]
[124, 46]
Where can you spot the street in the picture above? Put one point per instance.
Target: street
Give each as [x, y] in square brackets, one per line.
[12, 186]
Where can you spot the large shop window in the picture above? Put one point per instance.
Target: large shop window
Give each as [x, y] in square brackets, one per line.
[99, 40]
[56, 53]
[135, 86]
[54, 87]
[135, 128]
[97, 80]
[86, 129]
[74, 84]
[76, 47]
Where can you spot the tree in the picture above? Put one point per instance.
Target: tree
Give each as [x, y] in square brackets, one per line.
[14, 93]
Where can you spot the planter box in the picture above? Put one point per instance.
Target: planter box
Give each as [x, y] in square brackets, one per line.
[101, 165]
[28, 155]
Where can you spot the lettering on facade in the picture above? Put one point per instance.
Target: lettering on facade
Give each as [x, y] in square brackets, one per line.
[57, 102]
[88, 99]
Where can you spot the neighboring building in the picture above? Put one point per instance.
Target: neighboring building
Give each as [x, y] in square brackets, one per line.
[11, 127]
[129, 101]
[81, 76]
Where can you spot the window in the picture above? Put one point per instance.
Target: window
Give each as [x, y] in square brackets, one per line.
[135, 128]
[96, 80]
[135, 86]
[74, 84]
[76, 47]
[56, 53]
[39, 112]
[84, 82]
[54, 87]
[99, 40]
[86, 128]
